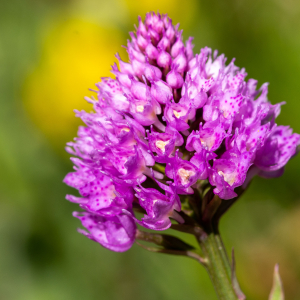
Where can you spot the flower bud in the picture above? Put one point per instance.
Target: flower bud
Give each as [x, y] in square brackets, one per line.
[139, 90]
[134, 54]
[170, 32]
[154, 36]
[177, 47]
[180, 62]
[150, 19]
[161, 92]
[141, 42]
[151, 51]
[152, 73]
[158, 26]
[200, 99]
[189, 49]
[174, 80]
[125, 67]
[142, 28]
[164, 44]
[164, 59]
[122, 78]
[138, 68]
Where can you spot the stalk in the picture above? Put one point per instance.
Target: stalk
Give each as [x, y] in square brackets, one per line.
[217, 265]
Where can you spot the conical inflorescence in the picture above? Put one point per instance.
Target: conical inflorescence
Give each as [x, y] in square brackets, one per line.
[169, 121]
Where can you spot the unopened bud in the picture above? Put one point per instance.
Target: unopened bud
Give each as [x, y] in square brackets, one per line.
[189, 49]
[180, 62]
[161, 92]
[125, 67]
[200, 99]
[158, 26]
[177, 47]
[170, 32]
[134, 54]
[174, 80]
[154, 36]
[151, 51]
[152, 73]
[124, 79]
[138, 67]
[164, 59]
[164, 44]
[139, 90]
[142, 28]
[141, 41]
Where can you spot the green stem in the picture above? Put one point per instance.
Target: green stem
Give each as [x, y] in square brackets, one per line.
[223, 253]
[218, 265]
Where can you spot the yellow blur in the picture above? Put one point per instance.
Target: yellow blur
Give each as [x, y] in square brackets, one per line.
[75, 55]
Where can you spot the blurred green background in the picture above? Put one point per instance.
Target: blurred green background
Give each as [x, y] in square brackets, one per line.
[51, 52]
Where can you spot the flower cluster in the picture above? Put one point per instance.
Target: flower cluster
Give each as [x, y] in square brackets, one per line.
[167, 122]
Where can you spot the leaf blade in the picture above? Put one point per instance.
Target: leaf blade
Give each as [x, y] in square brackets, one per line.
[277, 288]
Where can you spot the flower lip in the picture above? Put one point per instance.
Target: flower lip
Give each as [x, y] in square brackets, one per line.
[228, 177]
[162, 143]
[185, 175]
[278, 148]
[115, 233]
[183, 172]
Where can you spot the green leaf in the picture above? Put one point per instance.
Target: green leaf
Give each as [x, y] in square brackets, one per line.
[277, 289]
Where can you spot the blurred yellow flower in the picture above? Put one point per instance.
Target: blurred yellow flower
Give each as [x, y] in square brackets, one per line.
[75, 55]
[179, 11]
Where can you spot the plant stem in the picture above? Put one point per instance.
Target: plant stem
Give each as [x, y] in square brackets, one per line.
[223, 253]
[218, 265]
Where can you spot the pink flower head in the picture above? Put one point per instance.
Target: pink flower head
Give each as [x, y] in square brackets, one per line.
[168, 123]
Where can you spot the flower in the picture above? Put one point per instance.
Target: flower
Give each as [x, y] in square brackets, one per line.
[169, 121]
